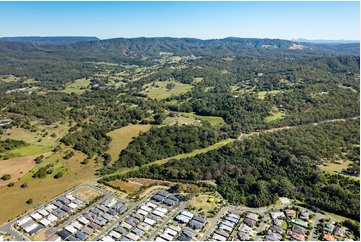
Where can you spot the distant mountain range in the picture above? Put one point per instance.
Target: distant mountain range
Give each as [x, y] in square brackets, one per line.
[93, 49]
[326, 41]
[51, 40]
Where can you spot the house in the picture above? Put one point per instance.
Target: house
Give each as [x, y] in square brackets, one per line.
[142, 212]
[35, 230]
[90, 216]
[327, 237]
[218, 237]
[195, 224]
[43, 212]
[188, 233]
[275, 229]
[27, 224]
[143, 226]
[228, 223]
[159, 239]
[36, 216]
[45, 222]
[111, 203]
[158, 198]
[132, 236]
[338, 231]
[70, 197]
[78, 201]
[58, 204]
[66, 209]
[299, 230]
[305, 215]
[187, 214]
[296, 236]
[151, 205]
[64, 234]
[170, 231]
[245, 232]
[76, 225]
[158, 213]
[232, 219]
[52, 218]
[299, 222]
[167, 237]
[273, 236]
[149, 221]
[59, 213]
[252, 216]
[112, 212]
[176, 228]
[120, 209]
[233, 215]
[120, 230]
[101, 221]
[24, 220]
[81, 235]
[102, 208]
[137, 231]
[225, 228]
[107, 238]
[183, 219]
[71, 229]
[126, 225]
[93, 226]
[132, 221]
[183, 237]
[170, 202]
[64, 200]
[115, 235]
[329, 227]
[50, 208]
[87, 230]
[72, 238]
[73, 205]
[146, 208]
[277, 222]
[277, 215]
[251, 223]
[290, 213]
[107, 216]
[222, 233]
[160, 209]
[162, 193]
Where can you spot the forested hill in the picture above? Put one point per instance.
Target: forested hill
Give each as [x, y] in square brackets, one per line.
[122, 48]
[51, 40]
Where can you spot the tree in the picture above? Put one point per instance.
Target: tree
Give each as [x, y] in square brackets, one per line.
[29, 201]
[6, 177]
[58, 175]
[24, 185]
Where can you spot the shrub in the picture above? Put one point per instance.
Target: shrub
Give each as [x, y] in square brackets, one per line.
[58, 175]
[29, 201]
[6, 177]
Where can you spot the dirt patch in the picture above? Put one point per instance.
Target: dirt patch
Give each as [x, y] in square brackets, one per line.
[86, 193]
[17, 167]
[128, 187]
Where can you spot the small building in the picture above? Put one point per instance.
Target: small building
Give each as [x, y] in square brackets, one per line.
[162, 193]
[73, 205]
[43, 212]
[54, 237]
[183, 219]
[93, 226]
[305, 216]
[222, 233]
[66, 208]
[296, 236]
[176, 228]
[231, 219]
[24, 220]
[132, 236]
[225, 228]
[149, 221]
[71, 229]
[111, 203]
[126, 225]
[112, 212]
[233, 215]
[167, 237]
[137, 231]
[277, 222]
[327, 237]
[81, 235]
[146, 208]
[70, 197]
[187, 214]
[151, 205]
[299, 222]
[195, 224]
[142, 212]
[50, 208]
[218, 237]
[120, 230]
[170, 202]
[35, 230]
[143, 226]
[158, 198]
[299, 230]
[277, 215]
[170, 231]
[45, 222]
[72, 238]
[275, 229]
[290, 213]
[76, 225]
[252, 216]
[183, 237]
[36, 216]
[338, 231]
[52, 218]
[83, 220]
[158, 213]
[273, 236]
[87, 230]
[251, 223]
[115, 235]
[64, 234]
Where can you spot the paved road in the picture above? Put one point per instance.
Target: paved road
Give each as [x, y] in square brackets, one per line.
[214, 222]
[180, 208]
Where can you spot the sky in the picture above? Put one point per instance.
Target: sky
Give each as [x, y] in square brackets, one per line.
[204, 20]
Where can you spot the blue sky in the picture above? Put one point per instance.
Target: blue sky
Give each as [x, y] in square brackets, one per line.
[205, 20]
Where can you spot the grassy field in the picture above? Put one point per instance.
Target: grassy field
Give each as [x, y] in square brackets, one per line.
[128, 187]
[29, 150]
[275, 116]
[9, 78]
[122, 137]
[339, 166]
[263, 94]
[42, 190]
[17, 167]
[191, 154]
[78, 86]
[162, 92]
[201, 204]
[191, 117]
[198, 79]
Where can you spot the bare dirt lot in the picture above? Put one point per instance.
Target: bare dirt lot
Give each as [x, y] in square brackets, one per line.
[17, 167]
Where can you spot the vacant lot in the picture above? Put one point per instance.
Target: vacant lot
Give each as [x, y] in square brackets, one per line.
[128, 187]
[42, 190]
[160, 91]
[201, 204]
[17, 167]
[86, 193]
[121, 138]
